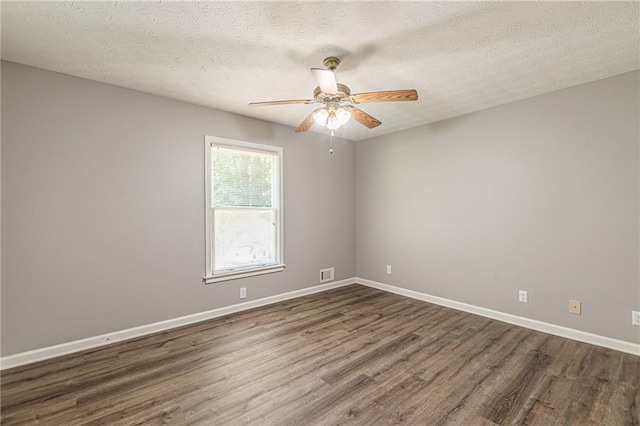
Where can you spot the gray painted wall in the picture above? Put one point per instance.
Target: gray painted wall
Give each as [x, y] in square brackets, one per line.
[103, 208]
[103, 212]
[539, 195]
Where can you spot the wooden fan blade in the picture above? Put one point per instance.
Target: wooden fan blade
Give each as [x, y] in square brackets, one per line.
[326, 80]
[306, 123]
[290, 102]
[391, 96]
[363, 118]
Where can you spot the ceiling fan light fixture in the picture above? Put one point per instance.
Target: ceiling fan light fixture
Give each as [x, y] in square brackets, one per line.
[338, 101]
[333, 122]
[331, 118]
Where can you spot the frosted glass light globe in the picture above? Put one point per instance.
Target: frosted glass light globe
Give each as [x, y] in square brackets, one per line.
[321, 116]
[343, 115]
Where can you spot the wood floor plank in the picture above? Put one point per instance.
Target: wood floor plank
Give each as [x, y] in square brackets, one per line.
[625, 405]
[629, 369]
[352, 355]
[504, 406]
[464, 377]
[549, 403]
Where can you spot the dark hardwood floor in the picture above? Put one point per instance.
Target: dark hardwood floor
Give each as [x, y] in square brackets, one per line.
[352, 355]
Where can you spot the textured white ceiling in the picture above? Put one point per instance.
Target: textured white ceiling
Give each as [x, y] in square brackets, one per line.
[460, 56]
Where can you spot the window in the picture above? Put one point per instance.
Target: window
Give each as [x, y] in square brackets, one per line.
[243, 209]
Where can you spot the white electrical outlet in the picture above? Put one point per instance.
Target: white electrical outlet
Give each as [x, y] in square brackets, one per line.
[635, 317]
[389, 269]
[523, 296]
[243, 292]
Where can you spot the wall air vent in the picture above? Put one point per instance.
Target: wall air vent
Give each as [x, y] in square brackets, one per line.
[326, 275]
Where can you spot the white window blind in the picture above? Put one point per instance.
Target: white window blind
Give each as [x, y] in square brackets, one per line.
[245, 216]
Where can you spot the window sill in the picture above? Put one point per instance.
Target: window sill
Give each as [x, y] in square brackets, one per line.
[243, 274]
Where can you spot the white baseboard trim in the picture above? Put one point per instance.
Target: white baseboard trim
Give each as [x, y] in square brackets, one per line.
[557, 330]
[42, 354]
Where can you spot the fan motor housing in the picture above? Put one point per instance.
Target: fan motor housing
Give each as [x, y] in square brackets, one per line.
[343, 92]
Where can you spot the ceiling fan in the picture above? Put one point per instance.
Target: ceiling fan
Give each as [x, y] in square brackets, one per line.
[338, 101]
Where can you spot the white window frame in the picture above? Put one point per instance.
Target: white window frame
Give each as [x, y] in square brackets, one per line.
[210, 276]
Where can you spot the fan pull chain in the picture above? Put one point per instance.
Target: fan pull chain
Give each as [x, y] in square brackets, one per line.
[331, 144]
